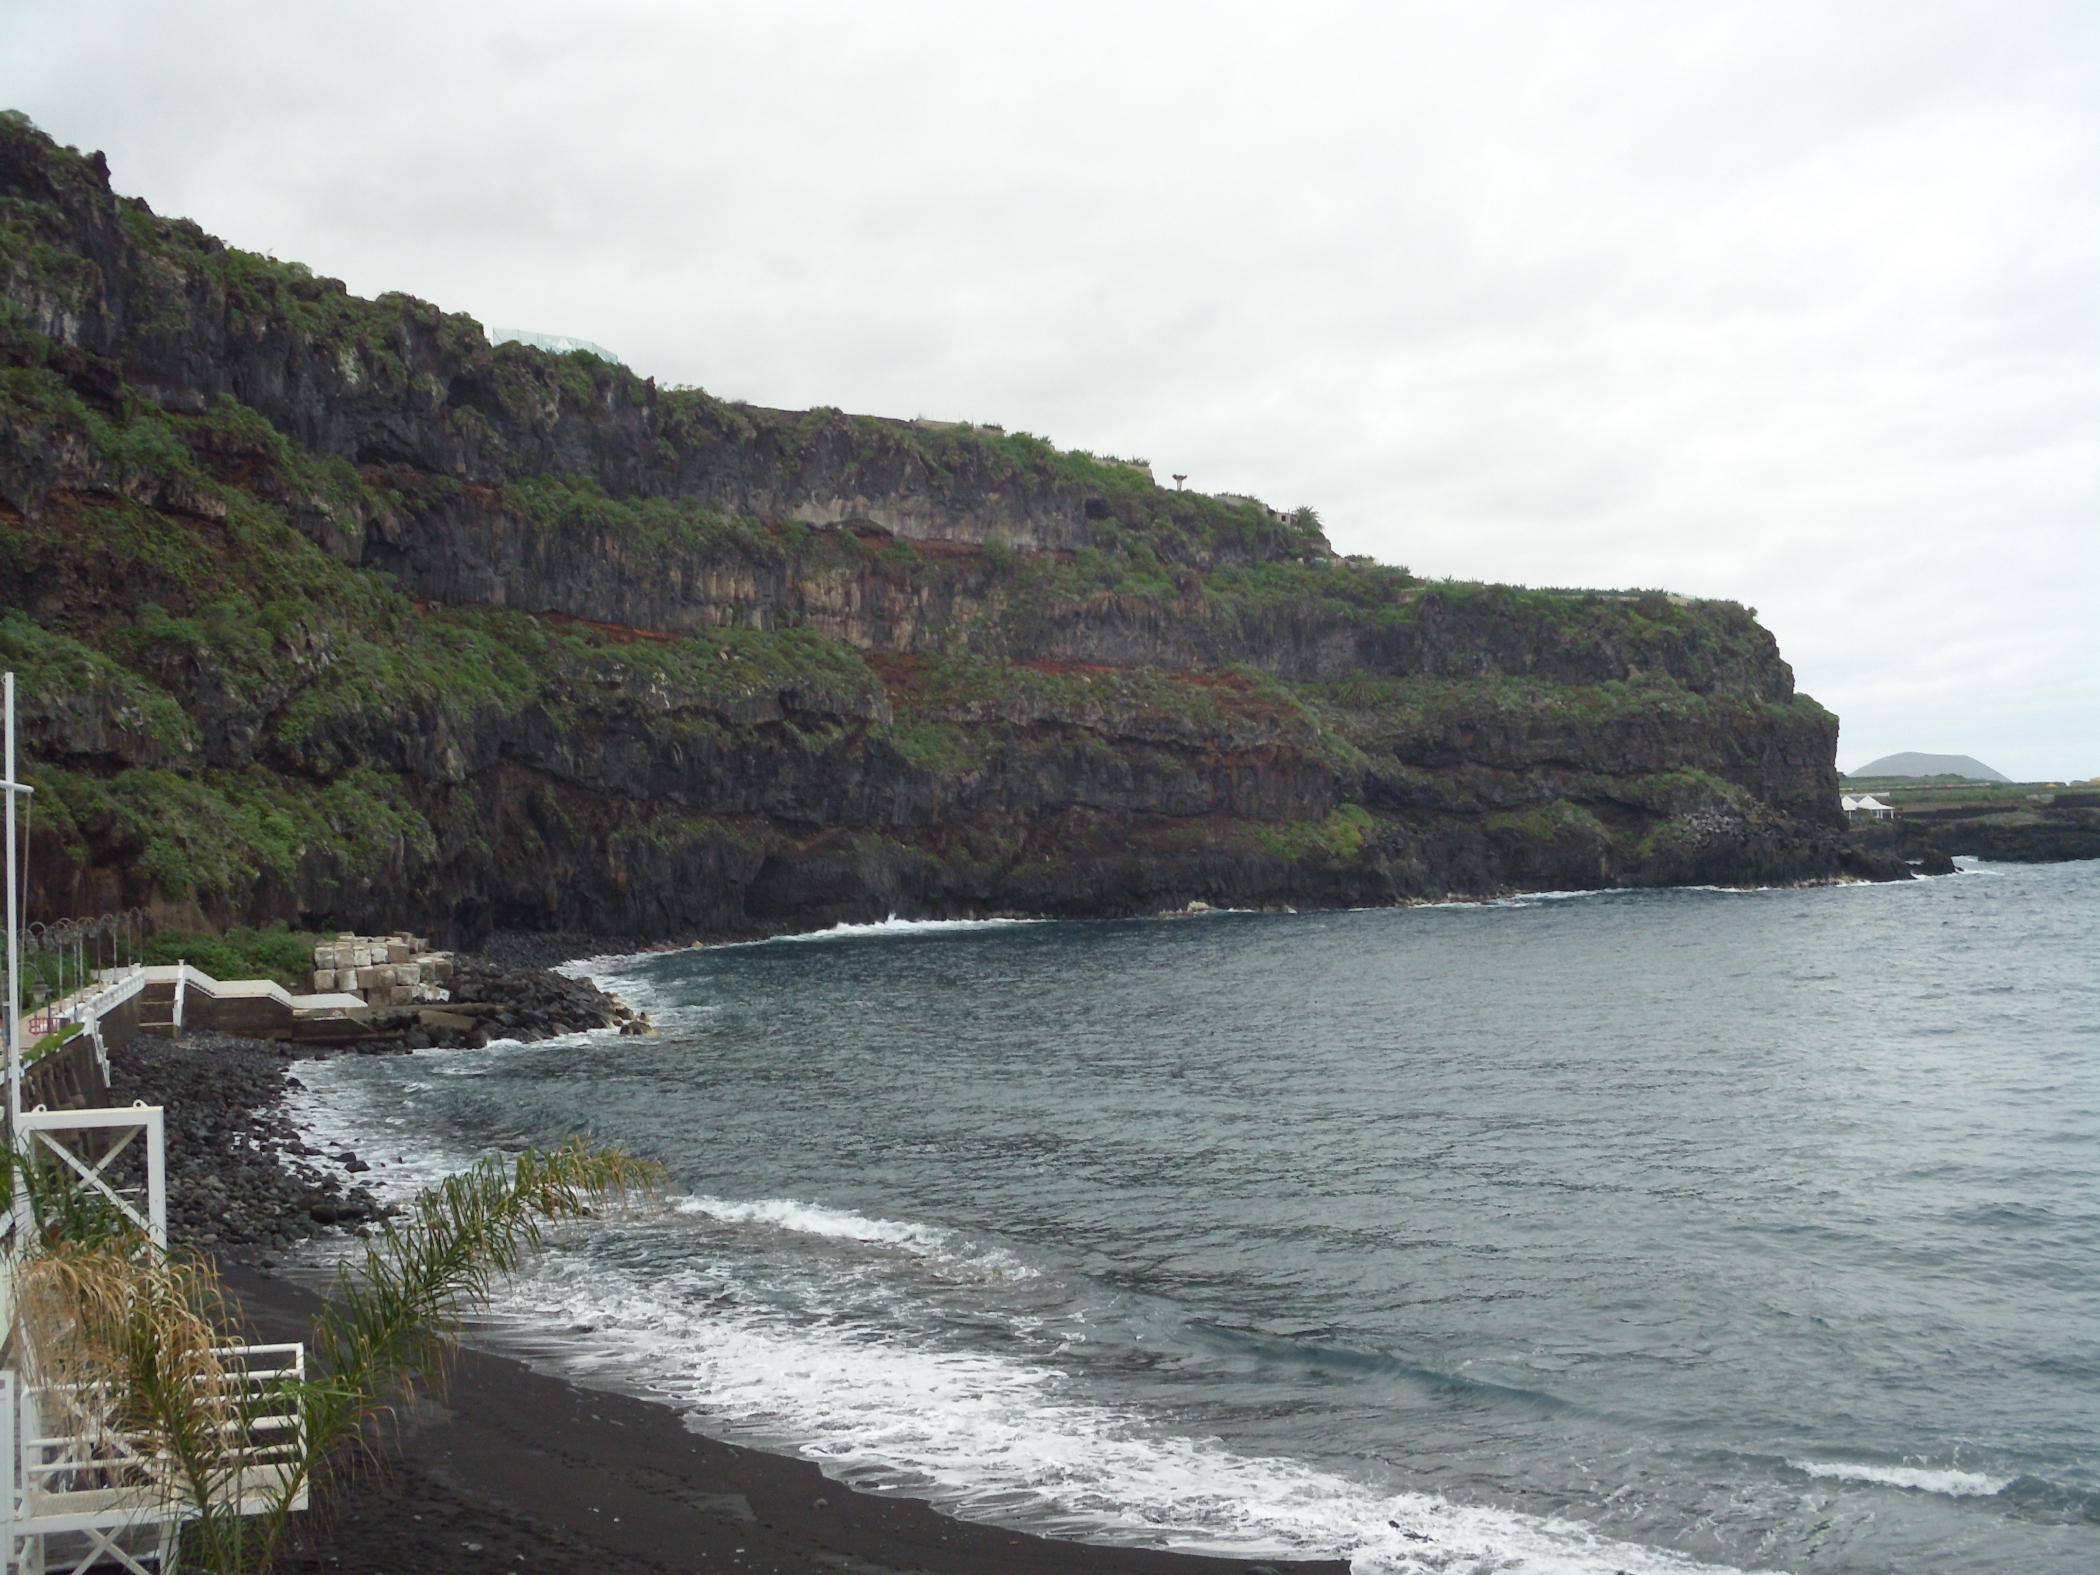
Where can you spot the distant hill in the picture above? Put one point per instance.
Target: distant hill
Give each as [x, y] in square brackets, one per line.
[1912, 764]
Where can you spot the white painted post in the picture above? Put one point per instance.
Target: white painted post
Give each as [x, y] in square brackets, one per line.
[182, 977]
[10, 1468]
[26, 1426]
[156, 1174]
[14, 936]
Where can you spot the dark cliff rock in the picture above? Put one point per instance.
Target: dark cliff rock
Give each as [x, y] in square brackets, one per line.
[326, 610]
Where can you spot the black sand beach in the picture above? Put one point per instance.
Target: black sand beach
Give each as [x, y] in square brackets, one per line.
[518, 1470]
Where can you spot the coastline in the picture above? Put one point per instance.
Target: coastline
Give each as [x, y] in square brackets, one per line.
[511, 1467]
[562, 951]
[740, 1373]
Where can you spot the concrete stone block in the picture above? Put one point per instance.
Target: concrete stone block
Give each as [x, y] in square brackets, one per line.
[397, 951]
[324, 980]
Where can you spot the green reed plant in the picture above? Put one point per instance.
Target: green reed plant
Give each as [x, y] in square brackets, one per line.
[113, 1316]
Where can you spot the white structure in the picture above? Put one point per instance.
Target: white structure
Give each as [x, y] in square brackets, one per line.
[87, 1493]
[75, 1489]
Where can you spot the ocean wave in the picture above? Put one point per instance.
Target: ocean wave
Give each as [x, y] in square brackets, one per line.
[811, 1219]
[994, 1438]
[609, 962]
[1001, 1437]
[1924, 1479]
[892, 926]
[335, 1111]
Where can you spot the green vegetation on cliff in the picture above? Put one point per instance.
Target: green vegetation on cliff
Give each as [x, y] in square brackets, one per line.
[326, 611]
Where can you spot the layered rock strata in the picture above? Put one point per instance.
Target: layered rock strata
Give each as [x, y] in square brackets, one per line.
[327, 610]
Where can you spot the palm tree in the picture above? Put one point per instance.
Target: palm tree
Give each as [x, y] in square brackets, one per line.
[144, 1338]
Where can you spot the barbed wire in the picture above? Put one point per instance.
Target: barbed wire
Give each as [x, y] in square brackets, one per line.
[65, 955]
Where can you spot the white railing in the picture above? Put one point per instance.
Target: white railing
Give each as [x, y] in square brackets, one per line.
[38, 1131]
[87, 1006]
[84, 1490]
[75, 1485]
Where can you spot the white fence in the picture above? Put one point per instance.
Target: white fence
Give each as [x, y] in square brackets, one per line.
[39, 1131]
[82, 1490]
[85, 1008]
[76, 1487]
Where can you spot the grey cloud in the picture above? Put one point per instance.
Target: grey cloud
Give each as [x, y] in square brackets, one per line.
[1791, 303]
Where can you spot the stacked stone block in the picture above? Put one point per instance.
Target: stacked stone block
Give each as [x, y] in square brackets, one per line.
[382, 970]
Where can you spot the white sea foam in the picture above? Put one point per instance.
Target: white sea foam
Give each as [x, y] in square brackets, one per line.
[894, 926]
[610, 962]
[814, 1220]
[995, 1438]
[811, 1219]
[1528, 899]
[335, 1110]
[1925, 1479]
[630, 978]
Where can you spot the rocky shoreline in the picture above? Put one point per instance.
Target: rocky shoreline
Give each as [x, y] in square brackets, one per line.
[242, 1181]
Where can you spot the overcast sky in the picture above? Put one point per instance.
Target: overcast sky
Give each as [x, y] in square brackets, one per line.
[1795, 304]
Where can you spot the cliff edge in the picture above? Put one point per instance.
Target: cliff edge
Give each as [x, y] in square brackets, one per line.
[328, 610]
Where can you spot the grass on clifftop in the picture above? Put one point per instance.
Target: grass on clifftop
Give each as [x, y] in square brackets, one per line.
[377, 343]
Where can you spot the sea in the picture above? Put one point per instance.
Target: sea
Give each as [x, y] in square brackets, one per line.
[1630, 1231]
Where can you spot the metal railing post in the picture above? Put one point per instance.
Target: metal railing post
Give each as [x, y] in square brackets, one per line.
[14, 938]
[156, 1174]
[11, 1467]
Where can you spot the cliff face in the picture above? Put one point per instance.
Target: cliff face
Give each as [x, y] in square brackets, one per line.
[327, 611]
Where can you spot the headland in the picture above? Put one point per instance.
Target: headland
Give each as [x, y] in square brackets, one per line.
[329, 611]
